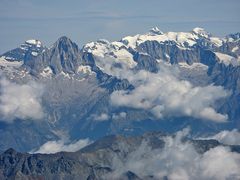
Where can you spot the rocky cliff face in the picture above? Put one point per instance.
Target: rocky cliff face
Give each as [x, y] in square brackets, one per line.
[63, 56]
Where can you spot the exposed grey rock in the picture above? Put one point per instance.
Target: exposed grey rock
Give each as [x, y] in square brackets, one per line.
[64, 55]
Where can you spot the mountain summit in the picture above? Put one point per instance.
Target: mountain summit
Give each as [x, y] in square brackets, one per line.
[155, 31]
[201, 32]
[63, 56]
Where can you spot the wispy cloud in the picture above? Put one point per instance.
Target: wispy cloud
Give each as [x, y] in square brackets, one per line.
[64, 143]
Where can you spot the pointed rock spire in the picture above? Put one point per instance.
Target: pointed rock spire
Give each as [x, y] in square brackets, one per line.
[62, 56]
[64, 43]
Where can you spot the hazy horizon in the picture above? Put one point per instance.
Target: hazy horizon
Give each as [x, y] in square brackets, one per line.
[85, 21]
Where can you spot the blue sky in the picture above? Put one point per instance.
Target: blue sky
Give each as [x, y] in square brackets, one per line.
[88, 20]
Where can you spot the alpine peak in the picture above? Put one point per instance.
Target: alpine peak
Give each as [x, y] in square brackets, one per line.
[34, 42]
[155, 31]
[201, 32]
[65, 43]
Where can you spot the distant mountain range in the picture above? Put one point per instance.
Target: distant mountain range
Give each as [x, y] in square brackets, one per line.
[119, 157]
[154, 81]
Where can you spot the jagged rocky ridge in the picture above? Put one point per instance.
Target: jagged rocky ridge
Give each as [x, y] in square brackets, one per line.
[92, 162]
[89, 85]
[57, 67]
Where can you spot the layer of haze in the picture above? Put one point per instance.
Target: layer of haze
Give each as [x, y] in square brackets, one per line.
[89, 20]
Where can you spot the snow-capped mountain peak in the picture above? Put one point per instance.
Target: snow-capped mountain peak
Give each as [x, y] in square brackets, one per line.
[153, 45]
[155, 31]
[30, 47]
[64, 43]
[184, 40]
[34, 42]
[180, 38]
[233, 37]
[201, 32]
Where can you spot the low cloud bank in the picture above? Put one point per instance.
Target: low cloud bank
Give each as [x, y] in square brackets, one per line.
[164, 94]
[51, 147]
[178, 160]
[20, 101]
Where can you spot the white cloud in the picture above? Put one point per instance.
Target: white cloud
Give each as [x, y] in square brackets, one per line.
[101, 117]
[165, 95]
[62, 145]
[20, 100]
[227, 137]
[178, 160]
[121, 115]
[211, 114]
[219, 163]
[105, 117]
